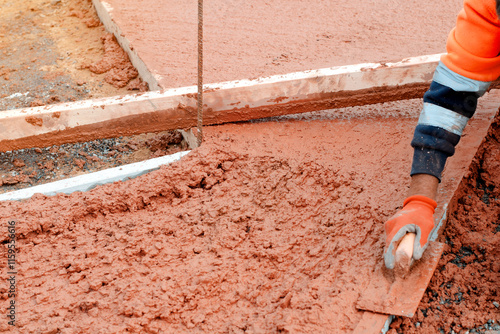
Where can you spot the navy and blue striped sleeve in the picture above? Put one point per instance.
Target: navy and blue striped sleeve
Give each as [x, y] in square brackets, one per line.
[448, 104]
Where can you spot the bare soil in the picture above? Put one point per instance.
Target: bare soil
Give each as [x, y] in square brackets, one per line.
[57, 51]
[28, 167]
[47, 49]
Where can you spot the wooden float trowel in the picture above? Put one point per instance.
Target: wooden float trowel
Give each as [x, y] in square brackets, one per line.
[399, 291]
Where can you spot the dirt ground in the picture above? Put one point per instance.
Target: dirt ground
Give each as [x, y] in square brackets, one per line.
[34, 166]
[57, 51]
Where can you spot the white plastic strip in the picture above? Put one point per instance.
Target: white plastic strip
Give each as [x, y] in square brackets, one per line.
[457, 82]
[440, 117]
[387, 324]
[91, 180]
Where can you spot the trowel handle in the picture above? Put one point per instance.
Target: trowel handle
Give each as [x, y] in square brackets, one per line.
[405, 247]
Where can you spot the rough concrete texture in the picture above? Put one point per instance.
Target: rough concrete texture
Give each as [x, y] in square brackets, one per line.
[268, 227]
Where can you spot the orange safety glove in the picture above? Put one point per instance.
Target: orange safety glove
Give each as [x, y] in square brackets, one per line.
[416, 216]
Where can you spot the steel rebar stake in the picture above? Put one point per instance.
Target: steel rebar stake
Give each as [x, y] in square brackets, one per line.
[200, 72]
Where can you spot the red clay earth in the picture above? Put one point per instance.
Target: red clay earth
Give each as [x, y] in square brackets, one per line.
[464, 291]
[117, 66]
[268, 227]
[46, 47]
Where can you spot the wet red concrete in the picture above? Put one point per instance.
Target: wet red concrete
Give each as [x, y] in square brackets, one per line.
[116, 64]
[249, 39]
[269, 226]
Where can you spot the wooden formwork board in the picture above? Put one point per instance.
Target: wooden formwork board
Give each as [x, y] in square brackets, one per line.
[231, 101]
[104, 11]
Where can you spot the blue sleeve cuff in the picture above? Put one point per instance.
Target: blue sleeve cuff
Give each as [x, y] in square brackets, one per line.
[435, 138]
[428, 161]
[433, 145]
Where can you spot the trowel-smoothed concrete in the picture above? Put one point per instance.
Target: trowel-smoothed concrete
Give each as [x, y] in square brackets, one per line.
[250, 39]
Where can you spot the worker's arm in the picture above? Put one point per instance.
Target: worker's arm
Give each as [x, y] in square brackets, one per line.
[462, 76]
[425, 185]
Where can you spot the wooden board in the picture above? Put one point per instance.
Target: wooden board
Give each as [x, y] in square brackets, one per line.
[232, 101]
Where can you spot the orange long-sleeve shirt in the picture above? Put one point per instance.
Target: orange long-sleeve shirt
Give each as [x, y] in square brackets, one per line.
[474, 44]
[463, 75]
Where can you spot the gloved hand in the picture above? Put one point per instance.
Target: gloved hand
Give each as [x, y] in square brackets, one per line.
[416, 216]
